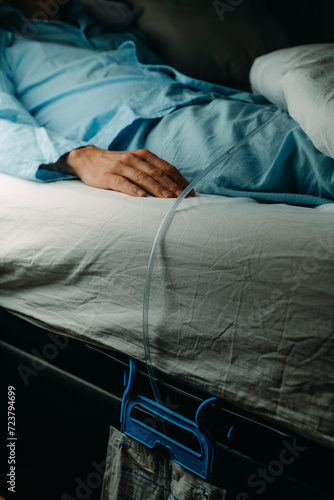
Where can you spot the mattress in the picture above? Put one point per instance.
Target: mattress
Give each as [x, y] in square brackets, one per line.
[241, 300]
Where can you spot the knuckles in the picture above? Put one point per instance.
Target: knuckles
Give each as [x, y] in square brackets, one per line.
[140, 176]
[144, 152]
[157, 174]
[118, 182]
[170, 170]
[128, 157]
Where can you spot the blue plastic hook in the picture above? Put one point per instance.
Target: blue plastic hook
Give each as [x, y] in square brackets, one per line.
[199, 462]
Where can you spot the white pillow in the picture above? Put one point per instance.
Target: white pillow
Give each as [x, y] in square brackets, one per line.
[301, 81]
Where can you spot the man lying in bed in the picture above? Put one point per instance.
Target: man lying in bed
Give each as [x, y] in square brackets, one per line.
[83, 100]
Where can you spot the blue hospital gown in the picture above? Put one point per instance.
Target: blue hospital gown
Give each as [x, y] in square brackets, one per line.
[64, 87]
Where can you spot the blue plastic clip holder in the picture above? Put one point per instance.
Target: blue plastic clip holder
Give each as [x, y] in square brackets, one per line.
[201, 462]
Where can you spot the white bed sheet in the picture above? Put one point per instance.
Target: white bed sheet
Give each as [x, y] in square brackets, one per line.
[242, 296]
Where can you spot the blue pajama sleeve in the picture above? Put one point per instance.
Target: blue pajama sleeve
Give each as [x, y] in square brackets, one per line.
[25, 145]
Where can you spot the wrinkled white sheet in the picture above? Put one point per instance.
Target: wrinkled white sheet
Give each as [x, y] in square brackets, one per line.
[242, 296]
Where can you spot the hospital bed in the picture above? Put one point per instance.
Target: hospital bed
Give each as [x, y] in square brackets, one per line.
[241, 308]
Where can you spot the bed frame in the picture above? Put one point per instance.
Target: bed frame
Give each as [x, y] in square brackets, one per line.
[68, 393]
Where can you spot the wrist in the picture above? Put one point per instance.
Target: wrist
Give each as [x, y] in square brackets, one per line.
[73, 160]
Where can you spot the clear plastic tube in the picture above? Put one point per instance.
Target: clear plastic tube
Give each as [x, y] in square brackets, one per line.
[161, 233]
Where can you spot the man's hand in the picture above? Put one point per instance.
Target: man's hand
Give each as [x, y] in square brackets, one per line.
[131, 172]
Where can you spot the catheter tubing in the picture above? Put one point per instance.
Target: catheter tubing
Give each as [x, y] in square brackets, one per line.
[161, 233]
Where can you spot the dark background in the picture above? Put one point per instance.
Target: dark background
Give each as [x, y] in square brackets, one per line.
[304, 21]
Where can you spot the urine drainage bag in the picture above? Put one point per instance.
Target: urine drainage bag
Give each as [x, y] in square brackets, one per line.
[135, 472]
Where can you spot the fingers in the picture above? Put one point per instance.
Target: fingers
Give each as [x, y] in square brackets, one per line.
[169, 170]
[119, 183]
[149, 178]
[149, 172]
